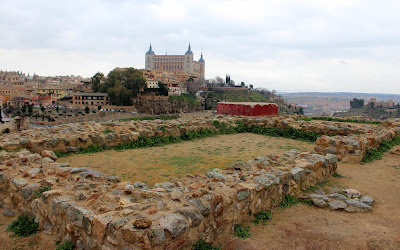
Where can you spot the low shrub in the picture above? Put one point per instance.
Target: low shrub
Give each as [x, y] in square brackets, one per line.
[39, 192]
[242, 231]
[263, 216]
[288, 201]
[67, 245]
[200, 245]
[23, 226]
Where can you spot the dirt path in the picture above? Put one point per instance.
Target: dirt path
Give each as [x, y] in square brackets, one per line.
[303, 227]
[158, 164]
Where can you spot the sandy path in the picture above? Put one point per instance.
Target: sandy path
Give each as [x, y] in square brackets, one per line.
[303, 227]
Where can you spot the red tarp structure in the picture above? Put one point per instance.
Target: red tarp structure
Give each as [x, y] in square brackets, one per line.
[247, 108]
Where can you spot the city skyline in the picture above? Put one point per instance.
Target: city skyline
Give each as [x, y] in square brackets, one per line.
[290, 46]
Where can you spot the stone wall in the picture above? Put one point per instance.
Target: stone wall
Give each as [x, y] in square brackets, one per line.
[97, 211]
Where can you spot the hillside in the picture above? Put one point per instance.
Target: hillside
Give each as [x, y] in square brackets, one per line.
[374, 113]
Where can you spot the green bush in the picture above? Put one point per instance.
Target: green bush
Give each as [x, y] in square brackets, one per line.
[332, 119]
[288, 201]
[23, 226]
[373, 154]
[200, 245]
[241, 231]
[262, 216]
[67, 245]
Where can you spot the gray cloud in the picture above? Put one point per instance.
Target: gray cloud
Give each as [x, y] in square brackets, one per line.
[289, 45]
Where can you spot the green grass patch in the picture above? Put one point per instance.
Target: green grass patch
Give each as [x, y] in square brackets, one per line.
[332, 119]
[200, 245]
[108, 131]
[39, 192]
[307, 202]
[185, 98]
[221, 129]
[241, 231]
[66, 245]
[373, 154]
[288, 201]
[23, 226]
[263, 216]
[337, 175]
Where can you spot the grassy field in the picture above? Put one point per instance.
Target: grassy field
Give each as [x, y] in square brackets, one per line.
[158, 164]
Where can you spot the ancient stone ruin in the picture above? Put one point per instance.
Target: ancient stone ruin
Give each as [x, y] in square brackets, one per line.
[98, 211]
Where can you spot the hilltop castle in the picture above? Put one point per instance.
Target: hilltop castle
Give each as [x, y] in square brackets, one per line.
[176, 63]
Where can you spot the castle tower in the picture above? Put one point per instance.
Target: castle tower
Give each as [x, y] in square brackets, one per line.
[202, 66]
[188, 63]
[149, 59]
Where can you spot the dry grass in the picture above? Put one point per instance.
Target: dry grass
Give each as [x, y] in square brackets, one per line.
[164, 163]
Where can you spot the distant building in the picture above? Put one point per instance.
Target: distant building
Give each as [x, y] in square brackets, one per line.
[175, 63]
[381, 104]
[90, 99]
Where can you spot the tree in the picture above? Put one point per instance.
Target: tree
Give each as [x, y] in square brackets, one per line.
[357, 103]
[123, 85]
[242, 84]
[194, 86]
[97, 81]
[87, 110]
[372, 104]
[42, 108]
[23, 109]
[251, 86]
[30, 109]
[162, 89]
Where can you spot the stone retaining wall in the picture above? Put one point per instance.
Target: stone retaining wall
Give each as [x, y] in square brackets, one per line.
[97, 211]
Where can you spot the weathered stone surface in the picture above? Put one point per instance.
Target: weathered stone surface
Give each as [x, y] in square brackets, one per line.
[358, 204]
[142, 223]
[352, 193]
[319, 202]
[213, 174]
[367, 200]
[337, 205]
[264, 181]
[48, 153]
[192, 213]
[176, 195]
[164, 185]
[28, 192]
[337, 196]
[141, 185]
[242, 195]
[297, 173]
[174, 223]
[7, 212]
[331, 158]
[18, 183]
[156, 236]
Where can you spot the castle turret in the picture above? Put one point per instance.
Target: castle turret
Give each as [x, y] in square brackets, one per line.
[149, 59]
[202, 66]
[188, 61]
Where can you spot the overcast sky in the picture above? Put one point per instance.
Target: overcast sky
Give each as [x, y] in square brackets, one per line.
[289, 46]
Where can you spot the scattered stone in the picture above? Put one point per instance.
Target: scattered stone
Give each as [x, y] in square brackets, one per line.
[203, 206]
[129, 189]
[48, 153]
[28, 192]
[7, 212]
[352, 193]
[337, 205]
[216, 175]
[297, 173]
[319, 202]
[358, 204]
[337, 196]
[367, 200]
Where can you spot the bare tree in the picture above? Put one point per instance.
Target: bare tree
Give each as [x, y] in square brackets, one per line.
[193, 86]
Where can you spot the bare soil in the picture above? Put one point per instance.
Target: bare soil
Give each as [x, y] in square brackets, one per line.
[304, 227]
[159, 164]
